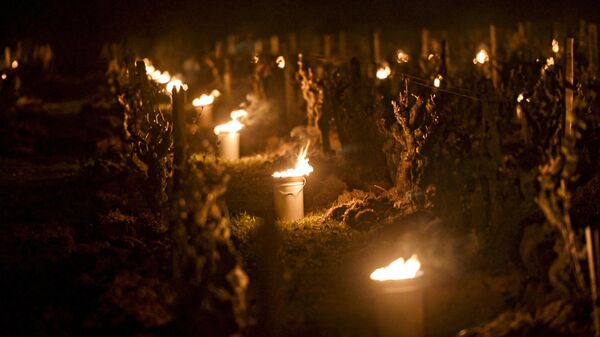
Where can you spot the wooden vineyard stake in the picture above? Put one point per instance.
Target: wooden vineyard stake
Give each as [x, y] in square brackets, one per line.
[342, 44]
[258, 47]
[327, 46]
[591, 239]
[593, 47]
[227, 77]
[493, 63]
[179, 137]
[569, 78]
[274, 41]
[376, 45]
[288, 75]
[292, 44]
[231, 44]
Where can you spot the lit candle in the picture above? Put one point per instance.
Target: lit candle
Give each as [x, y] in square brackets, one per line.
[229, 136]
[400, 298]
[288, 188]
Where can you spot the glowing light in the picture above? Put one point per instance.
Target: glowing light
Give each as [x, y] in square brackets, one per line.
[280, 62]
[254, 59]
[302, 167]
[164, 78]
[14, 64]
[520, 98]
[203, 100]
[430, 57]
[401, 56]
[176, 83]
[481, 57]
[234, 125]
[3, 76]
[437, 81]
[555, 46]
[398, 270]
[550, 61]
[215, 93]
[383, 72]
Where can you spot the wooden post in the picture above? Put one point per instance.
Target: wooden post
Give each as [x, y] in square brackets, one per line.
[218, 49]
[7, 57]
[569, 78]
[258, 47]
[327, 43]
[288, 75]
[227, 76]
[424, 44]
[581, 37]
[274, 45]
[376, 47]
[343, 44]
[179, 136]
[493, 63]
[593, 47]
[231, 44]
[589, 244]
[292, 44]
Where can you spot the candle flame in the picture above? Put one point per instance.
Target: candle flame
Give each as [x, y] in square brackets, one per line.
[280, 62]
[398, 270]
[234, 125]
[176, 83]
[401, 56]
[383, 72]
[203, 100]
[520, 98]
[14, 64]
[481, 57]
[555, 46]
[302, 167]
[437, 81]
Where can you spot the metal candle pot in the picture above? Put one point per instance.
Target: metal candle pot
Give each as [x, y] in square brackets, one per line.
[229, 145]
[400, 308]
[289, 197]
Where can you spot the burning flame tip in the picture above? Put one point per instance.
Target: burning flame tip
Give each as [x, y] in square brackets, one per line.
[302, 168]
[399, 269]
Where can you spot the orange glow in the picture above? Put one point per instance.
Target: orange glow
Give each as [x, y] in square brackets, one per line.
[203, 100]
[234, 125]
[398, 270]
[302, 167]
[481, 57]
[383, 72]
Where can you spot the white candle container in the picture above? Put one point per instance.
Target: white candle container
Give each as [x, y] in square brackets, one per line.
[205, 115]
[229, 145]
[289, 198]
[400, 308]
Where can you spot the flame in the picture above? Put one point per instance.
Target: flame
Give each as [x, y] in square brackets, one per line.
[215, 93]
[437, 81]
[176, 83]
[550, 61]
[302, 167]
[3, 76]
[555, 46]
[14, 64]
[164, 78]
[401, 56]
[520, 98]
[398, 270]
[383, 72]
[280, 62]
[203, 100]
[234, 125]
[481, 57]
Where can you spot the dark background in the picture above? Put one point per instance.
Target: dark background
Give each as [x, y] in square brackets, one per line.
[80, 27]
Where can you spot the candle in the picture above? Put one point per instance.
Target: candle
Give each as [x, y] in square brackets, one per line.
[229, 136]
